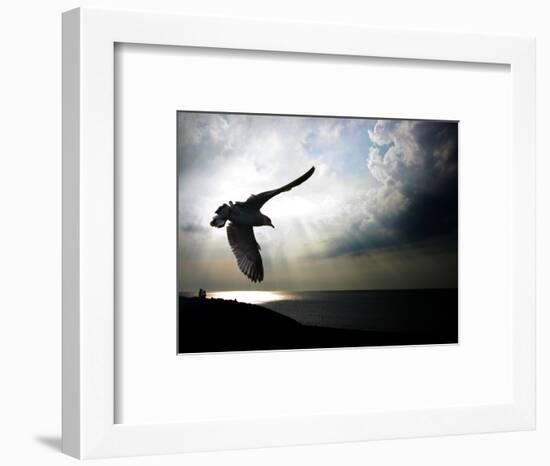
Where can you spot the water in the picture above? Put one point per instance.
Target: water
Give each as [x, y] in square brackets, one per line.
[383, 311]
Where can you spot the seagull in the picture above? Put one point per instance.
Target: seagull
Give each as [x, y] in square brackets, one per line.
[242, 217]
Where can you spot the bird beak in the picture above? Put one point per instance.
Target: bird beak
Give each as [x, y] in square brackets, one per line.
[271, 225]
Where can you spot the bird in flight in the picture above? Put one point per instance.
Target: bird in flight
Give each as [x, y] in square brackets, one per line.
[242, 217]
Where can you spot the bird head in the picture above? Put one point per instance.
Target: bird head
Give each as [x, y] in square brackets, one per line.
[267, 222]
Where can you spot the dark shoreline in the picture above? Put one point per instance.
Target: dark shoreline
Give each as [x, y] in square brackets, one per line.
[217, 325]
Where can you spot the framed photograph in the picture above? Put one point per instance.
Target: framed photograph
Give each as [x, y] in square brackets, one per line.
[293, 233]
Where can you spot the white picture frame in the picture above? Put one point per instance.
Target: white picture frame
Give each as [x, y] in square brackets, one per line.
[89, 38]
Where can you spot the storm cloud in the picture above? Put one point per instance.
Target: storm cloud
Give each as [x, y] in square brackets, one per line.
[416, 165]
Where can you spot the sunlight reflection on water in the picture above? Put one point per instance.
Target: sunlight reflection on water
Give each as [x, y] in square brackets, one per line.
[252, 297]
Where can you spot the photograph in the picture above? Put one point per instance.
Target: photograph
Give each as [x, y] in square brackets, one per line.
[311, 232]
[246, 233]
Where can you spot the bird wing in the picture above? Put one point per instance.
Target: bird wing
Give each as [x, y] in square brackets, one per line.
[246, 250]
[256, 201]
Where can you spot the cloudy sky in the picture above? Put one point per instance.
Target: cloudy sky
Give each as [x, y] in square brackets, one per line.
[380, 211]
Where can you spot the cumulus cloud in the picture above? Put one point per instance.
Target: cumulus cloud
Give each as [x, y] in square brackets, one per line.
[416, 166]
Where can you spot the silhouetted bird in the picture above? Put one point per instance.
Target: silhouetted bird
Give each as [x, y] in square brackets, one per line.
[243, 216]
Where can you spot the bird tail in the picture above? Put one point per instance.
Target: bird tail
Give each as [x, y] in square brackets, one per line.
[223, 213]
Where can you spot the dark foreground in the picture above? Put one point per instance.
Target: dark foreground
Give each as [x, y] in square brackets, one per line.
[214, 325]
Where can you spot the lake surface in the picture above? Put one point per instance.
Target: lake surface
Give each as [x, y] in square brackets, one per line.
[427, 311]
